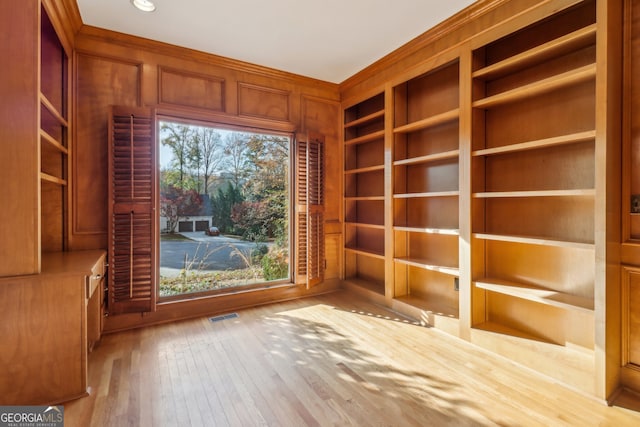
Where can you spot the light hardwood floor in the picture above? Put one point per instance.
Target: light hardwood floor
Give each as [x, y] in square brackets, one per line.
[322, 361]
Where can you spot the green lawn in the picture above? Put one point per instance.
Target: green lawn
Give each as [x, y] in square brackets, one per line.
[188, 282]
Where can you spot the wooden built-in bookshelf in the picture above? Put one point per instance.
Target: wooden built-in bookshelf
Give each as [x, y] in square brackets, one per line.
[54, 134]
[630, 203]
[426, 192]
[364, 198]
[501, 171]
[534, 188]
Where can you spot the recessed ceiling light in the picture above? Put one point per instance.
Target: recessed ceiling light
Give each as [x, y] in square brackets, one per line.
[144, 5]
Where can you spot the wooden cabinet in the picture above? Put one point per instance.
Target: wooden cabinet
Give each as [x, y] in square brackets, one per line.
[45, 321]
[49, 298]
[95, 294]
[364, 168]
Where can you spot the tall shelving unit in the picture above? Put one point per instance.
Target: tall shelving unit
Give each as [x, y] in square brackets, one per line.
[50, 310]
[364, 197]
[426, 195]
[54, 134]
[499, 178]
[533, 195]
[630, 214]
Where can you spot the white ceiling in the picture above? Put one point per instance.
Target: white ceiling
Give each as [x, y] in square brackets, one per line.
[326, 39]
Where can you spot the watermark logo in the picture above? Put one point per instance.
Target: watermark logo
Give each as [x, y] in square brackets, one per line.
[31, 416]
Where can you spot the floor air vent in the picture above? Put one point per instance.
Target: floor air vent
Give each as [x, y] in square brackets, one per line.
[223, 317]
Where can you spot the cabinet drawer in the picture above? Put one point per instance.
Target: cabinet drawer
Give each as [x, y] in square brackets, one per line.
[97, 276]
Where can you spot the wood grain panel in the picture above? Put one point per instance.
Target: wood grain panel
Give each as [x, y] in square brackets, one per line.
[53, 67]
[433, 93]
[365, 211]
[552, 325]
[101, 82]
[562, 269]
[631, 315]
[433, 289]
[322, 116]
[434, 249]
[631, 165]
[190, 89]
[263, 102]
[441, 138]
[569, 218]
[635, 132]
[568, 167]
[19, 252]
[563, 112]
[435, 212]
[432, 177]
[364, 155]
[52, 209]
[368, 271]
[333, 250]
[42, 349]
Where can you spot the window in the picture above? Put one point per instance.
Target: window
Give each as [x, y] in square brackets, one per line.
[246, 195]
[224, 208]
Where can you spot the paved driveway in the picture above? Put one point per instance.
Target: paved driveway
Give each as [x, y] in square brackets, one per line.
[202, 252]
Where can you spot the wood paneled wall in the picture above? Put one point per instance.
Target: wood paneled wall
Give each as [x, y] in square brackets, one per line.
[115, 69]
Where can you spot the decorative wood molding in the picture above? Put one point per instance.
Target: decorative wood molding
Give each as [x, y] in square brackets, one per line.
[630, 108]
[72, 14]
[630, 377]
[98, 145]
[624, 314]
[157, 47]
[263, 102]
[198, 115]
[110, 58]
[65, 17]
[627, 312]
[198, 305]
[306, 101]
[181, 88]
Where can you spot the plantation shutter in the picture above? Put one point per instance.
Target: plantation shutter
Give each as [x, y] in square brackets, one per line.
[132, 221]
[310, 210]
